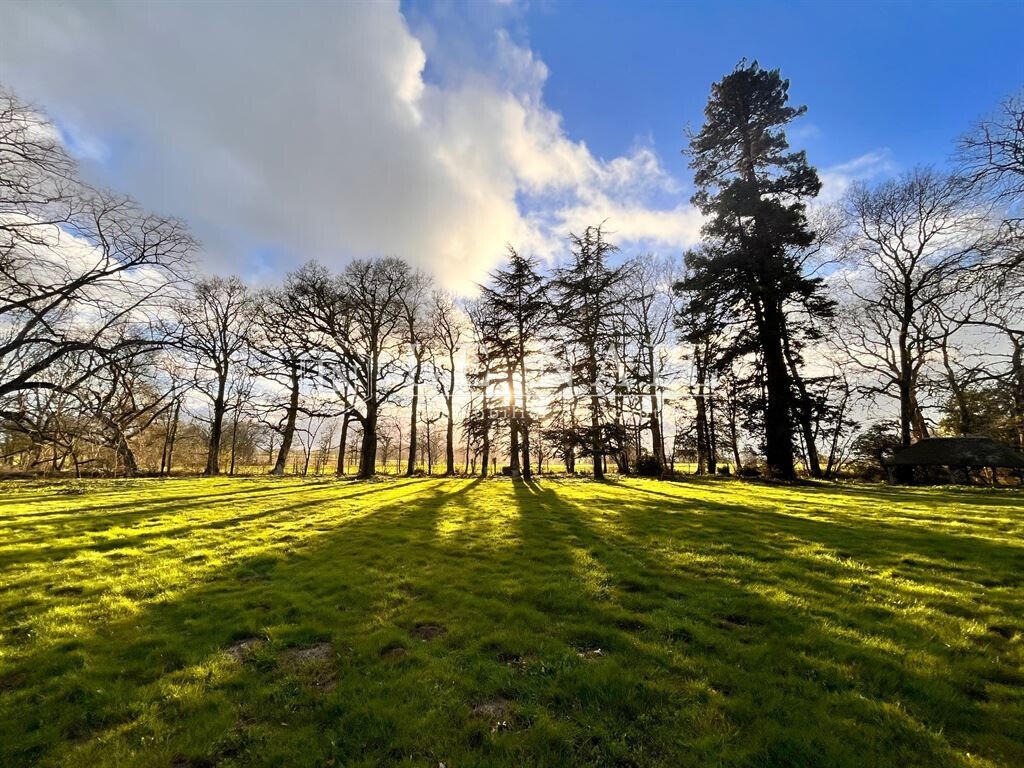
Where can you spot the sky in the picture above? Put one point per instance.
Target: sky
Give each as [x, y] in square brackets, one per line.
[440, 131]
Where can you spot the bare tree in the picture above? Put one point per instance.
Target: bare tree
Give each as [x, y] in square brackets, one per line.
[910, 240]
[448, 330]
[991, 157]
[82, 272]
[357, 321]
[280, 356]
[649, 309]
[214, 329]
[416, 308]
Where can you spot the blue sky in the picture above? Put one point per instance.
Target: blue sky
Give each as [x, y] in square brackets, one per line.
[440, 132]
[907, 77]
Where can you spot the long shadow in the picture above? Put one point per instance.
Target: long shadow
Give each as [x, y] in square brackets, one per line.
[64, 691]
[680, 640]
[868, 538]
[75, 527]
[107, 509]
[744, 641]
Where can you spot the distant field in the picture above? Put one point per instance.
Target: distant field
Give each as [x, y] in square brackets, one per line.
[260, 622]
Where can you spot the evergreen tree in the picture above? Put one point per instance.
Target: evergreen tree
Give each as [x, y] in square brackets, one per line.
[587, 299]
[516, 299]
[752, 189]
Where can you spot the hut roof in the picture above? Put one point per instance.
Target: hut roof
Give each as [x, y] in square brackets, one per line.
[959, 452]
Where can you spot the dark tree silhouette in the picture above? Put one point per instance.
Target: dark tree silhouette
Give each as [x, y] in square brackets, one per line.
[213, 331]
[753, 190]
[516, 299]
[587, 298]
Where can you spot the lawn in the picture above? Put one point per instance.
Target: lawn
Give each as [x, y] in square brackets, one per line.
[238, 622]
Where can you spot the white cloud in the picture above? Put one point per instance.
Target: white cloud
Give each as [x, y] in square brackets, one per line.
[836, 179]
[312, 132]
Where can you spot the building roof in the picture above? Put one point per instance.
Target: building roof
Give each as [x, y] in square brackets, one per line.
[959, 452]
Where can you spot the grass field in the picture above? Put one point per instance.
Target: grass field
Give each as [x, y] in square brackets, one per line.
[237, 622]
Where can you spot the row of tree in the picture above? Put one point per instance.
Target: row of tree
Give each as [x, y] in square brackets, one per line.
[779, 338]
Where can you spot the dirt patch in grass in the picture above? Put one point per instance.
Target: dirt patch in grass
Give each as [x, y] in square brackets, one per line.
[426, 632]
[318, 652]
[392, 652]
[491, 709]
[313, 663]
[241, 648]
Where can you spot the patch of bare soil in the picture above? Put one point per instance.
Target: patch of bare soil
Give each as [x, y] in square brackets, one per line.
[314, 663]
[240, 649]
[392, 651]
[426, 632]
[306, 655]
[497, 711]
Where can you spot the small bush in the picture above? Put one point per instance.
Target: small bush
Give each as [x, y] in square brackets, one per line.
[724, 470]
[749, 471]
[648, 466]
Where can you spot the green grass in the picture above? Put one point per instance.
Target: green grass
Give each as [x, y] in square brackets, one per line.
[231, 622]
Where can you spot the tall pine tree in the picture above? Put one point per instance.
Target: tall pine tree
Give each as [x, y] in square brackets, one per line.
[516, 299]
[587, 309]
[752, 189]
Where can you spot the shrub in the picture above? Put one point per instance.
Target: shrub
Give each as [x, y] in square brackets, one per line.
[648, 466]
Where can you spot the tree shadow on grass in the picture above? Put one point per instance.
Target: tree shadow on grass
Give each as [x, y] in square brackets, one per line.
[802, 682]
[576, 619]
[98, 522]
[864, 538]
[80, 689]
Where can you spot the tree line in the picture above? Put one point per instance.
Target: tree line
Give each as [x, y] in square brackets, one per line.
[797, 337]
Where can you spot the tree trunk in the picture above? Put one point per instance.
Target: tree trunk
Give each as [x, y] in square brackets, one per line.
[174, 433]
[513, 450]
[125, 455]
[700, 404]
[524, 416]
[163, 450]
[216, 427]
[804, 414]
[449, 448]
[466, 471]
[413, 406]
[289, 427]
[368, 457]
[595, 433]
[486, 452]
[234, 441]
[657, 441]
[342, 444]
[712, 435]
[1017, 390]
[777, 426]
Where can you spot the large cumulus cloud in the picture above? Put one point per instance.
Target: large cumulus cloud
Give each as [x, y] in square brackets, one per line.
[288, 132]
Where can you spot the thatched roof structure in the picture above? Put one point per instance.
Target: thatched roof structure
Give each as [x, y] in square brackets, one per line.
[958, 452]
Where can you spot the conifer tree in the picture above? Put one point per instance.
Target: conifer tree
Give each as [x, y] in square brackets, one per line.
[753, 191]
